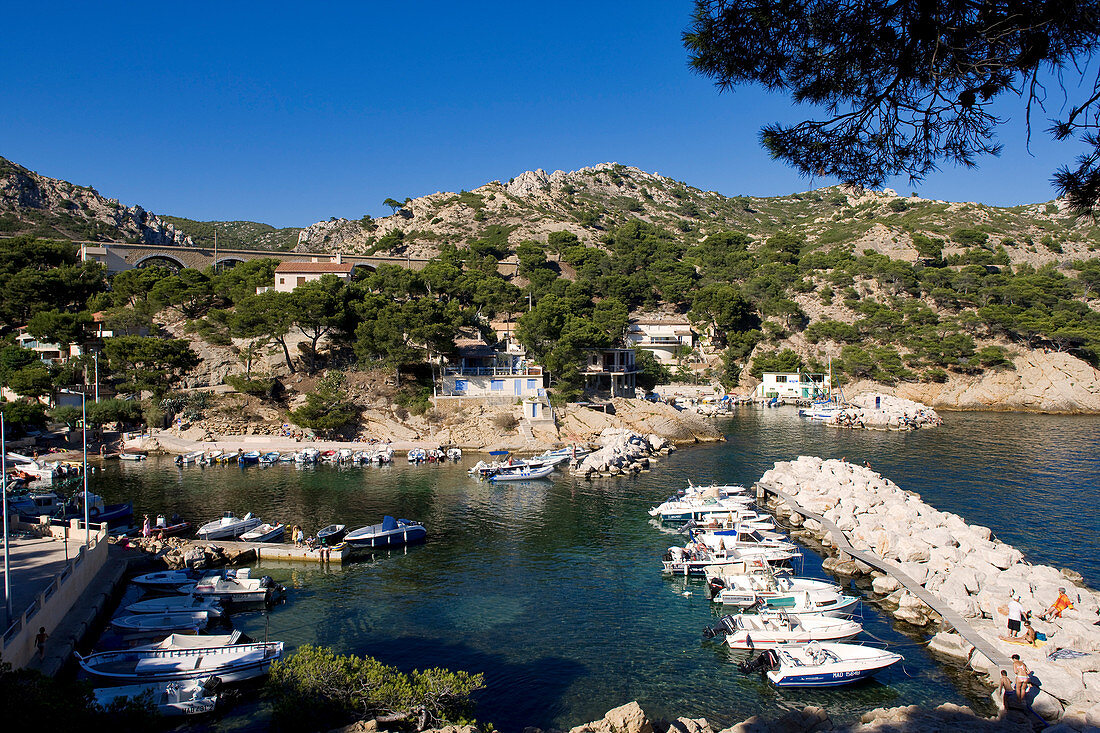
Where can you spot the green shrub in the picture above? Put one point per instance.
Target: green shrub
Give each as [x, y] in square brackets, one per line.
[258, 386]
[317, 689]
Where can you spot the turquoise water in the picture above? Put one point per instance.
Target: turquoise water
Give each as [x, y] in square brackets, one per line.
[553, 589]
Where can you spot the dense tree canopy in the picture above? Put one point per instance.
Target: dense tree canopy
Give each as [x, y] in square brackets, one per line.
[905, 85]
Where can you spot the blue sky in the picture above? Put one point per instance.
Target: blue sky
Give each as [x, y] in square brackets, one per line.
[289, 115]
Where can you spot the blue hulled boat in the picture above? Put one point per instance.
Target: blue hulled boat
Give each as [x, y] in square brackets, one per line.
[390, 533]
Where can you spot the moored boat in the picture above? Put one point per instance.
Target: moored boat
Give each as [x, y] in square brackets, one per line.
[131, 456]
[264, 533]
[187, 459]
[176, 604]
[390, 533]
[237, 587]
[187, 697]
[146, 623]
[821, 664]
[249, 457]
[331, 535]
[142, 664]
[270, 457]
[768, 630]
[228, 526]
[167, 580]
[521, 472]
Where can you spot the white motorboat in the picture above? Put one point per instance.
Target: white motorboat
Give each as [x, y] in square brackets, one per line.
[677, 509]
[194, 457]
[37, 504]
[131, 456]
[757, 589]
[742, 538]
[264, 533]
[732, 519]
[228, 526]
[696, 558]
[176, 604]
[190, 641]
[211, 458]
[147, 623]
[417, 455]
[307, 455]
[820, 664]
[142, 664]
[165, 580]
[521, 472]
[769, 630]
[37, 469]
[390, 533]
[237, 587]
[454, 454]
[188, 697]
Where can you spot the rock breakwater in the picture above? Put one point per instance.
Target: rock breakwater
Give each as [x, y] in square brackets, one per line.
[621, 452]
[964, 565]
[878, 411]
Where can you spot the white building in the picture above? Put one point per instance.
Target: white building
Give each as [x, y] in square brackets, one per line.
[481, 371]
[663, 337]
[793, 385]
[289, 275]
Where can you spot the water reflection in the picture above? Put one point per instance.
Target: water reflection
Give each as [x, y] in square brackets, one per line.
[554, 590]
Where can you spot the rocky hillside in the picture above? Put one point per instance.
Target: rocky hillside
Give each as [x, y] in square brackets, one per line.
[54, 209]
[591, 201]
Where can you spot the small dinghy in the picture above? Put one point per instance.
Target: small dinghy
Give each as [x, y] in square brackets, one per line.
[454, 454]
[131, 457]
[147, 623]
[307, 455]
[211, 458]
[228, 526]
[264, 533]
[188, 697]
[820, 664]
[331, 535]
[270, 457]
[237, 587]
[252, 456]
[390, 533]
[176, 604]
[417, 455]
[769, 630]
[142, 664]
[521, 472]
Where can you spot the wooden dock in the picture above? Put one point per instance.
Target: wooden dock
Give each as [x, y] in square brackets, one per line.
[286, 551]
[951, 617]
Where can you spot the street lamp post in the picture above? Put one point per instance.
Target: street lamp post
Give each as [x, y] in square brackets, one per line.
[7, 556]
[84, 430]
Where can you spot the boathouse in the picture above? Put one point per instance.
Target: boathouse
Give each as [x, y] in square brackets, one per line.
[793, 386]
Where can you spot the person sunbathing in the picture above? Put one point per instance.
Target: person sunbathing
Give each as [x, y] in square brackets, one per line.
[1061, 603]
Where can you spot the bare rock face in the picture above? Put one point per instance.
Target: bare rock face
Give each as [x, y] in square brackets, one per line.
[79, 211]
[629, 718]
[1041, 382]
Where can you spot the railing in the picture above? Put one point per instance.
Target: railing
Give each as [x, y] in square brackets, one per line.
[524, 371]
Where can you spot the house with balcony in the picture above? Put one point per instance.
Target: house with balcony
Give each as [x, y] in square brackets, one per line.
[483, 371]
[662, 337]
[794, 386]
[610, 371]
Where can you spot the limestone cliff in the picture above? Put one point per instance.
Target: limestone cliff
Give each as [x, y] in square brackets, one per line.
[1038, 382]
[51, 208]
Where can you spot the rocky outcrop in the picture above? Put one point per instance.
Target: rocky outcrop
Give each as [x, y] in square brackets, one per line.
[964, 565]
[583, 424]
[878, 411]
[33, 202]
[1039, 381]
[620, 452]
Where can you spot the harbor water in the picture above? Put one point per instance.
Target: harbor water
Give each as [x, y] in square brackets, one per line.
[553, 589]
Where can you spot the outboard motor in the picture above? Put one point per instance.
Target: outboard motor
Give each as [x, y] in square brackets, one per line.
[715, 586]
[766, 661]
[721, 628]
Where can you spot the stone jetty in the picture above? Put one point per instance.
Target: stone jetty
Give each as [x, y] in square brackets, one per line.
[964, 565]
[878, 411]
[621, 452]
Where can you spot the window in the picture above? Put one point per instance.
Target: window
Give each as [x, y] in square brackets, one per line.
[532, 384]
[461, 385]
[781, 379]
[282, 281]
[496, 385]
[301, 279]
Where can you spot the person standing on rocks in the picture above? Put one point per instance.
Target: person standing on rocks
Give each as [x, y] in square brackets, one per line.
[1015, 615]
[1023, 676]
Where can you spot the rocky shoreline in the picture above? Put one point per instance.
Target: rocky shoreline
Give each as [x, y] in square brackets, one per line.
[974, 573]
[878, 411]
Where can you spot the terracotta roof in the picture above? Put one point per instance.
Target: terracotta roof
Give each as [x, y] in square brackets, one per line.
[322, 267]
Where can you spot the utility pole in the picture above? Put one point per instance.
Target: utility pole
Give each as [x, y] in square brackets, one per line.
[95, 356]
[215, 250]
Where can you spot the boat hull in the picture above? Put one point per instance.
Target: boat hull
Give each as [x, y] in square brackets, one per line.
[405, 534]
[229, 664]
